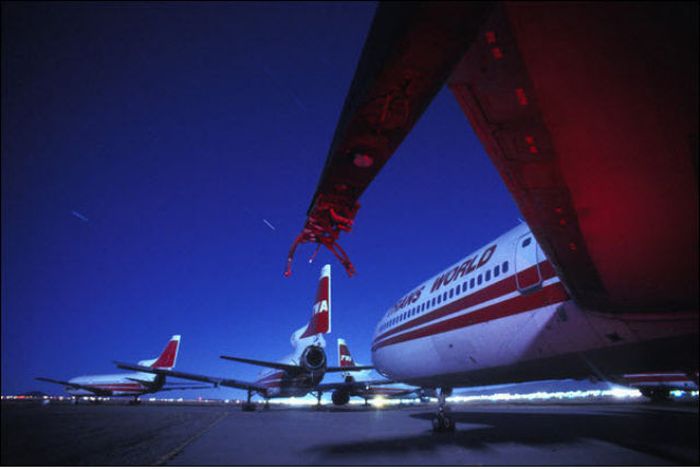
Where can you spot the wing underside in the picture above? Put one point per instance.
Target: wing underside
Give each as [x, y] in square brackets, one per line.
[603, 166]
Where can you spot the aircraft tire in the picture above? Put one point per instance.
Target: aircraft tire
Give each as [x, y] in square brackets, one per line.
[443, 423]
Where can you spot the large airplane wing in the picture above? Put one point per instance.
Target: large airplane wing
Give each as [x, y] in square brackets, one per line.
[171, 386]
[97, 391]
[410, 51]
[288, 367]
[595, 135]
[278, 366]
[228, 382]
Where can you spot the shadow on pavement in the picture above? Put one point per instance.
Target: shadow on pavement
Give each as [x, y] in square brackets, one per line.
[661, 434]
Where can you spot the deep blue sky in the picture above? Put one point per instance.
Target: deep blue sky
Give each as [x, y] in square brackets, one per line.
[174, 130]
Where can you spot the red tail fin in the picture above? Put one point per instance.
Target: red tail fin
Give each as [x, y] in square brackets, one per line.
[344, 357]
[169, 356]
[320, 322]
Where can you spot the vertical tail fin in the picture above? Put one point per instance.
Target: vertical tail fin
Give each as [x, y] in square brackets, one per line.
[320, 322]
[167, 358]
[344, 357]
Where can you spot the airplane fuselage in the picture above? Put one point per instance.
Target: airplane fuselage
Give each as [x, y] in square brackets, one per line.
[282, 383]
[122, 384]
[503, 315]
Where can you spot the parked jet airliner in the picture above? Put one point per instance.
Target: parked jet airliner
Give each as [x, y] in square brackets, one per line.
[356, 383]
[293, 376]
[128, 384]
[583, 108]
[502, 315]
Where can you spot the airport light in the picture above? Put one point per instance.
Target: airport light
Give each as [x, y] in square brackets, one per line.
[379, 402]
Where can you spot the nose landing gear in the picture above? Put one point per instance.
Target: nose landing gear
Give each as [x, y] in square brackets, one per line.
[443, 421]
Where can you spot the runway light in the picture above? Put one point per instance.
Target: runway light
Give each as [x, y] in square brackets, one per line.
[379, 402]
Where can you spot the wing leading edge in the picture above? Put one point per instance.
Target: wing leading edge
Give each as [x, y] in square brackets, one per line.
[216, 381]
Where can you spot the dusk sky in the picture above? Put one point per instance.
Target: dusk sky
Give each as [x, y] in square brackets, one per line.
[157, 163]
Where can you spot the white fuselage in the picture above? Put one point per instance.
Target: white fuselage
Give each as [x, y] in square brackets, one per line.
[503, 315]
[122, 384]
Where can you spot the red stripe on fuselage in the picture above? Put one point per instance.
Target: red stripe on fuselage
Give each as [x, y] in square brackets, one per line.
[273, 377]
[554, 293]
[498, 289]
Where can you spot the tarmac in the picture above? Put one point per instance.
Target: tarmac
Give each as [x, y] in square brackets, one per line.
[622, 434]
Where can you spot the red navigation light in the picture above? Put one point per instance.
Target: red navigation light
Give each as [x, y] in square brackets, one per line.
[497, 53]
[530, 140]
[363, 160]
[522, 97]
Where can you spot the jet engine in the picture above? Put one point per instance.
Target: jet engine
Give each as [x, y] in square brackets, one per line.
[313, 358]
[340, 397]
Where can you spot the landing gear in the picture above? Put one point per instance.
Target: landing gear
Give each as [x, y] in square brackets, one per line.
[442, 421]
[319, 394]
[135, 401]
[267, 404]
[366, 402]
[247, 405]
[657, 395]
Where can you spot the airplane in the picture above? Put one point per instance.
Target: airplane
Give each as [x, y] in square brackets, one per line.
[588, 112]
[128, 384]
[358, 384]
[659, 385]
[295, 375]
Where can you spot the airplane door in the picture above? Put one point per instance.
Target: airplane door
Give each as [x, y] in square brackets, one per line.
[527, 270]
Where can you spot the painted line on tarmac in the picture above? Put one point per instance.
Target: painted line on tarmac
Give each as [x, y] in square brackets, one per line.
[167, 457]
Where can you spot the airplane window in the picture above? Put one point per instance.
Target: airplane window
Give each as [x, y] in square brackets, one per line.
[433, 301]
[464, 286]
[527, 242]
[478, 279]
[439, 299]
[471, 283]
[496, 270]
[488, 275]
[457, 289]
[505, 267]
[452, 292]
[444, 296]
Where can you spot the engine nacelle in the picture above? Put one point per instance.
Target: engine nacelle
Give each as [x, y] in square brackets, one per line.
[340, 397]
[313, 358]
